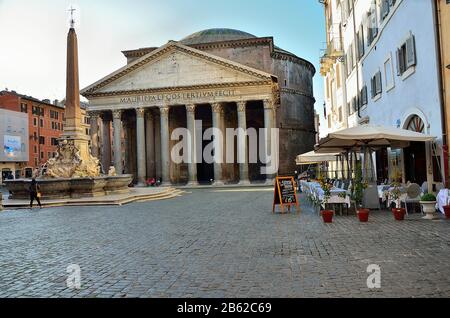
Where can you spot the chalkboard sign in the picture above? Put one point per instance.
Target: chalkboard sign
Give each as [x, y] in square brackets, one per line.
[285, 193]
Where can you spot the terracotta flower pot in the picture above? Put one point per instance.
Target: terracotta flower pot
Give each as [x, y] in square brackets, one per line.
[363, 215]
[399, 213]
[327, 216]
[447, 211]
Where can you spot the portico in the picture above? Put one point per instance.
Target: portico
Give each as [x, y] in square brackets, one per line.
[173, 87]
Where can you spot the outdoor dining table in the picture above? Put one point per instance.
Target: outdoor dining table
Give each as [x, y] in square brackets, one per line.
[337, 195]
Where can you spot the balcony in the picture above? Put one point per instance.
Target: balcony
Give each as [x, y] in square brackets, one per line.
[332, 52]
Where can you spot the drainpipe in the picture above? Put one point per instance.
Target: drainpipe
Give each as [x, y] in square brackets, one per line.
[436, 9]
[357, 63]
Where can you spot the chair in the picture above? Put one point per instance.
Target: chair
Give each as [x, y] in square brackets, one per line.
[424, 187]
[345, 185]
[413, 192]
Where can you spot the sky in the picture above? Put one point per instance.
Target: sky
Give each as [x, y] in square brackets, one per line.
[33, 34]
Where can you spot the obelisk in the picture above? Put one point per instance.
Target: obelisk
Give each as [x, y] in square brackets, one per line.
[73, 130]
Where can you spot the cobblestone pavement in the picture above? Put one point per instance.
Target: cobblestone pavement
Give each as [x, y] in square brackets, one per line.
[219, 244]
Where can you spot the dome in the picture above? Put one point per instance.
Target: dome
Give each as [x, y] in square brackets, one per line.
[216, 35]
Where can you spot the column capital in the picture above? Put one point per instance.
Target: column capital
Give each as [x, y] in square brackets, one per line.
[190, 108]
[217, 108]
[140, 112]
[117, 113]
[164, 110]
[94, 114]
[241, 105]
[268, 104]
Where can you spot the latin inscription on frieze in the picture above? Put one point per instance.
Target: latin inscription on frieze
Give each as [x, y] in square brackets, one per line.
[177, 96]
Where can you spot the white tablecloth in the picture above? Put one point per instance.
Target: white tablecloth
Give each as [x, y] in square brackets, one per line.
[314, 188]
[442, 199]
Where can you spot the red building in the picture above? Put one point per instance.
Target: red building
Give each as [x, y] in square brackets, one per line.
[45, 126]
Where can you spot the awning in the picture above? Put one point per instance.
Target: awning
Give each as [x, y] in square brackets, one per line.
[370, 136]
[313, 157]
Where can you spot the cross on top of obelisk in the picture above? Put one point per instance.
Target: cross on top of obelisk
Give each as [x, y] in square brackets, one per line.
[72, 20]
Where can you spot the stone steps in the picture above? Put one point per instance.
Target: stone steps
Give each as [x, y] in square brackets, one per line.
[135, 195]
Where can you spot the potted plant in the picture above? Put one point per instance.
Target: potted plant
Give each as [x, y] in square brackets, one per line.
[358, 194]
[428, 202]
[327, 215]
[447, 211]
[394, 195]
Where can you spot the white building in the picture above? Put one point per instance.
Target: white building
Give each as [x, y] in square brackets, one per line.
[386, 73]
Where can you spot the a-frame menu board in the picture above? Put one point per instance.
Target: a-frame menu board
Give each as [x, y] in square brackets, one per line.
[285, 193]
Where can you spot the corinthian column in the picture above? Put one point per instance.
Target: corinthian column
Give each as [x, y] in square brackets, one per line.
[150, 143]
[217, 118]
[140, 146]
[106, 142]
[93, 117]
[192, 165]
[269, 124]
[117, 126]
[165, 155]
[242, 143]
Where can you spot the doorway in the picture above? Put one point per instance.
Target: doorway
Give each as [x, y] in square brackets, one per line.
[415, 163]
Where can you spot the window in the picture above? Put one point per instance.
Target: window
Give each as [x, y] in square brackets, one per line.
[41, 140]
[42, 155]
[376, 84]
[360, 39]
[340, 114]
[354, 104]
[372, 26]
[363, 96]
[406, 55]
[388, 74]
[49, 155]
[54, 142]
[416, 124]
[35, 162]
[384, 10]
[23, 108]
[35, 149]
[338, 75]
[34, 121]
[54, 114]
[41, 122]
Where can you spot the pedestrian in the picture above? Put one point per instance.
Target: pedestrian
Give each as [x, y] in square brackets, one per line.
[34, 193]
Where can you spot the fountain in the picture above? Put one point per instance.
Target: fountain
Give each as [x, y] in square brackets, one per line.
[73, 172]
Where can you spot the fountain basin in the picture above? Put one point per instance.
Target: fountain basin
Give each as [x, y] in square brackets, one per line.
[71, 187]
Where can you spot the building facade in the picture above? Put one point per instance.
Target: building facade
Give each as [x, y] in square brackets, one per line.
[45, 126]
[385, 71]
[225, 78]
[443, 19]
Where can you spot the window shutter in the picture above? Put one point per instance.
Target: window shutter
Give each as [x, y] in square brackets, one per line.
[399, 69]
[378, 83]
[410, 52]
[372, 87]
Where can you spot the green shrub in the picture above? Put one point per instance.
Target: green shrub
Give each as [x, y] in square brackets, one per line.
[428, 197]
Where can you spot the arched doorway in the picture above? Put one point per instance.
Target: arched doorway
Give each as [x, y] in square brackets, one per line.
[415, 154]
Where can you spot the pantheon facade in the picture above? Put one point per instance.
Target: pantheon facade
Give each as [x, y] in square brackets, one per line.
[225, 78]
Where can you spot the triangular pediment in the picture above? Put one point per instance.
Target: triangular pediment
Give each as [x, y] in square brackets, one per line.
[176, 65]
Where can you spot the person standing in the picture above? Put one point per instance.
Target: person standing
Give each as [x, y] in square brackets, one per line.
[34, 193]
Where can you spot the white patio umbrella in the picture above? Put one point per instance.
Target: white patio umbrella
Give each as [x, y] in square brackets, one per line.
[313, 157]
[367, 137]
[372, 136]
